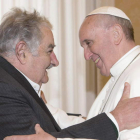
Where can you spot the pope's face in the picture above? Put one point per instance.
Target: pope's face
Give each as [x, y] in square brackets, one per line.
[97, 45]
[46, 57]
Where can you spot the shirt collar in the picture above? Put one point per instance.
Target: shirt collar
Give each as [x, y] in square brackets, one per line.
[35, 86]
[122, 63]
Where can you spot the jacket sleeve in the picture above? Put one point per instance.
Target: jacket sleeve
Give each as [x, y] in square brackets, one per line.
[99, 127]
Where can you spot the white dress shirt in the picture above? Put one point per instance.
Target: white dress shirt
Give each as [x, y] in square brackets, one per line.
[62, 118]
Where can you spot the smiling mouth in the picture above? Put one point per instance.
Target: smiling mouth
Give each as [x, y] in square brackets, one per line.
[97, 60]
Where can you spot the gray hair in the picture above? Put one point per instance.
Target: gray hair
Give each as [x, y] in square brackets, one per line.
[108, 21]
[20, 25]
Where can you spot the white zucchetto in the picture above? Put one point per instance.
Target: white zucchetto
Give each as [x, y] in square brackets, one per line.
[108, 10]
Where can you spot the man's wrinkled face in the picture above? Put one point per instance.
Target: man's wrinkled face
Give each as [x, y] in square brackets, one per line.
[97, 45]
[45, 58]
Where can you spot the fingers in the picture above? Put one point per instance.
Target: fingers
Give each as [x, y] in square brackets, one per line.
[38, 129]
[16, 138]
[120, 108]
[126, 91]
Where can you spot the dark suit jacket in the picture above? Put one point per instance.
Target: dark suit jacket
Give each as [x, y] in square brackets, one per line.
[21, 109]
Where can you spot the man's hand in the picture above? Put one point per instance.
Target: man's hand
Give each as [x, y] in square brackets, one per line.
[127, 112]
[40, 135]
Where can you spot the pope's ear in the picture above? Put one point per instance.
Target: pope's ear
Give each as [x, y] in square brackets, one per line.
[21, 51]
[117, 34]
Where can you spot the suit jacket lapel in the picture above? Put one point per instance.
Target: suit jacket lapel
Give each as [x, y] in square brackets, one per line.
[22, 80]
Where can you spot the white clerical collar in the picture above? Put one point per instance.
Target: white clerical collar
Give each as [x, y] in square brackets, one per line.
[124, 61]
[35, 86]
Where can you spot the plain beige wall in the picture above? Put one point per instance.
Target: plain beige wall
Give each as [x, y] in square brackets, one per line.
[132, 9]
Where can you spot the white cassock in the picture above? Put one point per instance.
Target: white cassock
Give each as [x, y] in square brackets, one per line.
[127, 69]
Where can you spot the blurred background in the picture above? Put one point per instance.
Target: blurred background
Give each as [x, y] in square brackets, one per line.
[75, 83]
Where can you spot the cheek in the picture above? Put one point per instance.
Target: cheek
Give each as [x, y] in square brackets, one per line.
[106, 69]
[46, 61]
[97, 47]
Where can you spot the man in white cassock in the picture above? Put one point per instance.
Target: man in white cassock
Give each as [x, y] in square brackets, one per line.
[108, 39]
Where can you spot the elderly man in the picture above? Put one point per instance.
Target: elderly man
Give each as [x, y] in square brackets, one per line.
[26, 49]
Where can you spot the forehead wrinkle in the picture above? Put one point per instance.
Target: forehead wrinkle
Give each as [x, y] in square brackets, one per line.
[89, 24]
[97, 20]
[86, 28]
[91, 19]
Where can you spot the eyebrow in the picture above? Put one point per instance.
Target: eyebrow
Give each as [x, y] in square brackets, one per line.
[51, 46]
[87, 40]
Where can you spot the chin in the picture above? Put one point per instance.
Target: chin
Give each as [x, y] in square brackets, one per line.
[45, 79]
[105, 73]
